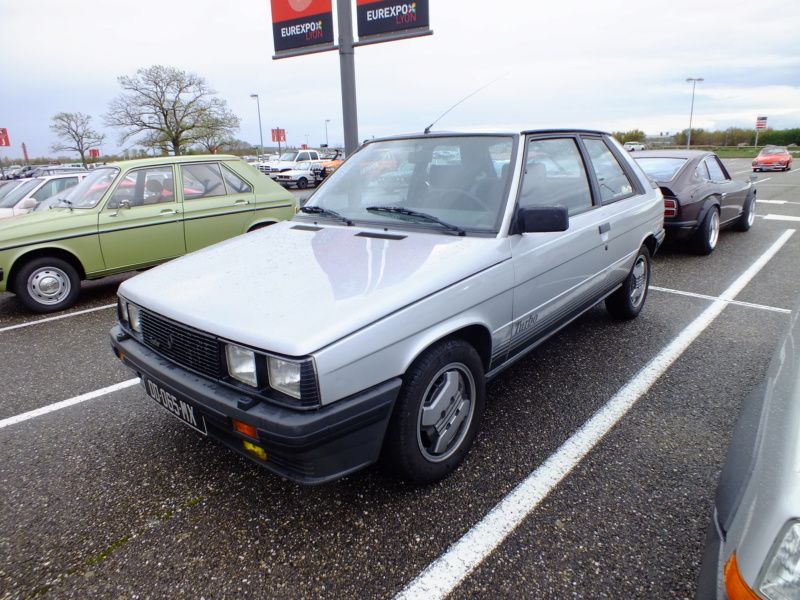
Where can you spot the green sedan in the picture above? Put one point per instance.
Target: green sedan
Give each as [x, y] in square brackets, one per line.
[132, 215]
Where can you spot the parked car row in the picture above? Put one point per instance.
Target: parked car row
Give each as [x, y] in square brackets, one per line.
[128, 216]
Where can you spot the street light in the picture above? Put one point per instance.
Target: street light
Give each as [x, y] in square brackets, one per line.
[260, 131]
[326, 131]
[694, 81]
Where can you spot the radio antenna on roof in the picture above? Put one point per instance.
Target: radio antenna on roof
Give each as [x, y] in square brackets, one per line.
[428, 128]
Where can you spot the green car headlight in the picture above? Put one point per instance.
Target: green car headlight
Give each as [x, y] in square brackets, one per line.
[285, 376]
[782, 576]
[241, 364]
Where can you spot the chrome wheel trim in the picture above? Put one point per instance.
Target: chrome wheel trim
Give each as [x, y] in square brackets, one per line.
[640, 276]
[446, 412]
[713, 229]
[751, 213]
[49, 285]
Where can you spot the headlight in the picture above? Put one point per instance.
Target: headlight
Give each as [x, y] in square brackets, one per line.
[782, 577]
[122, 306]
[134, 317]
[241, 364]
[284, 376]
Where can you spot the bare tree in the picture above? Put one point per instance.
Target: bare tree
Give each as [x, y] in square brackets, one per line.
[170, 106]
[75, 129]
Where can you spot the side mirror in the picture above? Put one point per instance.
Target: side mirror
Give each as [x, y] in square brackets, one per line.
[28, 204]
[753, 176]
[541, 219]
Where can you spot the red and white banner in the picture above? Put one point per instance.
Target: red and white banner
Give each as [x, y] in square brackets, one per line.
[278, 135]
[761, 123]
[4, 137]
[300, 23]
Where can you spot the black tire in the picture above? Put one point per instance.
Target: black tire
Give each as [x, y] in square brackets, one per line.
[627, 302]
[437, 414]
[45, 285]
[748, 216]
[302, 183]
[706, 237]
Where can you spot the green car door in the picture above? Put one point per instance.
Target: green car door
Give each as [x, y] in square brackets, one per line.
[217, 203]
[141, 223]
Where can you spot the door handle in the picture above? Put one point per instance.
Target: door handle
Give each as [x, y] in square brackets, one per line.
[166, 213]
[605, 227]
[241, 203]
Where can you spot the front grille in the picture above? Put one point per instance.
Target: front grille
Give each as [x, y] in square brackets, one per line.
[188, 347]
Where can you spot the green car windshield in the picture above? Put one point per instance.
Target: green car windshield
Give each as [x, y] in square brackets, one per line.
[439, 183]
[89, 192]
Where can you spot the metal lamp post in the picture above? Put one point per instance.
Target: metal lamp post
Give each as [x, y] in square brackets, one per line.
[695, 81]
[260, 130]
[326, 131]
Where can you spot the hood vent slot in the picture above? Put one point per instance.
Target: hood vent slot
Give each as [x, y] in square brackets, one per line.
[307, 228]
[381, 236]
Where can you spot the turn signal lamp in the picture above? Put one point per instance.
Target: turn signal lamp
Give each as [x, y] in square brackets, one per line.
[256, 451]
[245, 429]
[734, 583]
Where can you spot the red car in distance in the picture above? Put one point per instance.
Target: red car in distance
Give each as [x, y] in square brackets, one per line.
[773, 158]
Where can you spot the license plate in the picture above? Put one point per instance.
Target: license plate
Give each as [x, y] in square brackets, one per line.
[178, 408]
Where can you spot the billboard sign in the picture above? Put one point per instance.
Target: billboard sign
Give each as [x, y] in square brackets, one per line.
[4, 137]
[392, 17]
[94, 153]
[761, 123]
[301, 23]
[278, 135]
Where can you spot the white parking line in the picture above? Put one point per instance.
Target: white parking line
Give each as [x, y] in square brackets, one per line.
[442, 576]
[713, 298]
[780, 218]
[48, 319]
[65, 403]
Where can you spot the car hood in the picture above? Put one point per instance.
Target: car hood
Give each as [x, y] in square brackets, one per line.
[21, 226]
[293, 288]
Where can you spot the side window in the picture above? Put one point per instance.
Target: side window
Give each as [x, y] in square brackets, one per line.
[555, 175]
[143, 187]
[302, 156]
[715, 170]
[202, 180]
[235, 184]
[54, 186]
[702, 172]
[614, 183]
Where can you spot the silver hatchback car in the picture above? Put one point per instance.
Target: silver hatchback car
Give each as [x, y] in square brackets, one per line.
[368, 325]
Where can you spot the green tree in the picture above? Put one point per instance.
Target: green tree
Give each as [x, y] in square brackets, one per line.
[75, 129]
[174, 109]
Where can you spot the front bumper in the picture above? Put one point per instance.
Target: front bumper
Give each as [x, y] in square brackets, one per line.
[309, 447]
[770, 167]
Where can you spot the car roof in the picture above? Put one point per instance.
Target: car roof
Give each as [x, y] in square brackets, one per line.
[168, 160]
[433, 134]
[686, 154]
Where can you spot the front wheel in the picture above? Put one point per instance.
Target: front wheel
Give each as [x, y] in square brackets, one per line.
[748, 216]
[627, 302]
[438, 412]
[46, 285]
[302, 183]
[706, 237]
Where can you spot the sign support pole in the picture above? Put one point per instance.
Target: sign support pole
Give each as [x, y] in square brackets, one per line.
[347, 67]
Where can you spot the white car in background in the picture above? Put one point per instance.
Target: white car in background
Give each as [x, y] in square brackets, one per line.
[27, 195]
[633, 146]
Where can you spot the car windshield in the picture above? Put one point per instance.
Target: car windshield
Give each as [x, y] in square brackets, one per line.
[7, 186]
[288, 156]
[18, 193]
[767, 151]
[660, 168]
[447, 184]
[89, 192]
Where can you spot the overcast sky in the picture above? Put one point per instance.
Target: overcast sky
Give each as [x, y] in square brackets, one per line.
[614, 65]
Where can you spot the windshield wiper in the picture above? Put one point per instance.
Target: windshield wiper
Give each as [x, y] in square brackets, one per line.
[318, 210]
[415, 215]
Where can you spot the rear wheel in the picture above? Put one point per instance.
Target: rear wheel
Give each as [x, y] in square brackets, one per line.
[438, 412]
[706, 238]
[627, 302]
[46, 285]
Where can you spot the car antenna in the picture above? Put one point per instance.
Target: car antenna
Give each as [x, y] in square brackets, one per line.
[428, 128]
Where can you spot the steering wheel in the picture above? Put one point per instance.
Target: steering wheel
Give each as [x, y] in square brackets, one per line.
[464, 193]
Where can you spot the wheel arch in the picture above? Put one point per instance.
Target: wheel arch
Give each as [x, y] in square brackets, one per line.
[476, 335]
[39, 253]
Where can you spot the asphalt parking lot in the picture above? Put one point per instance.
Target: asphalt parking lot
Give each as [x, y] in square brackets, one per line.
[593, 475]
